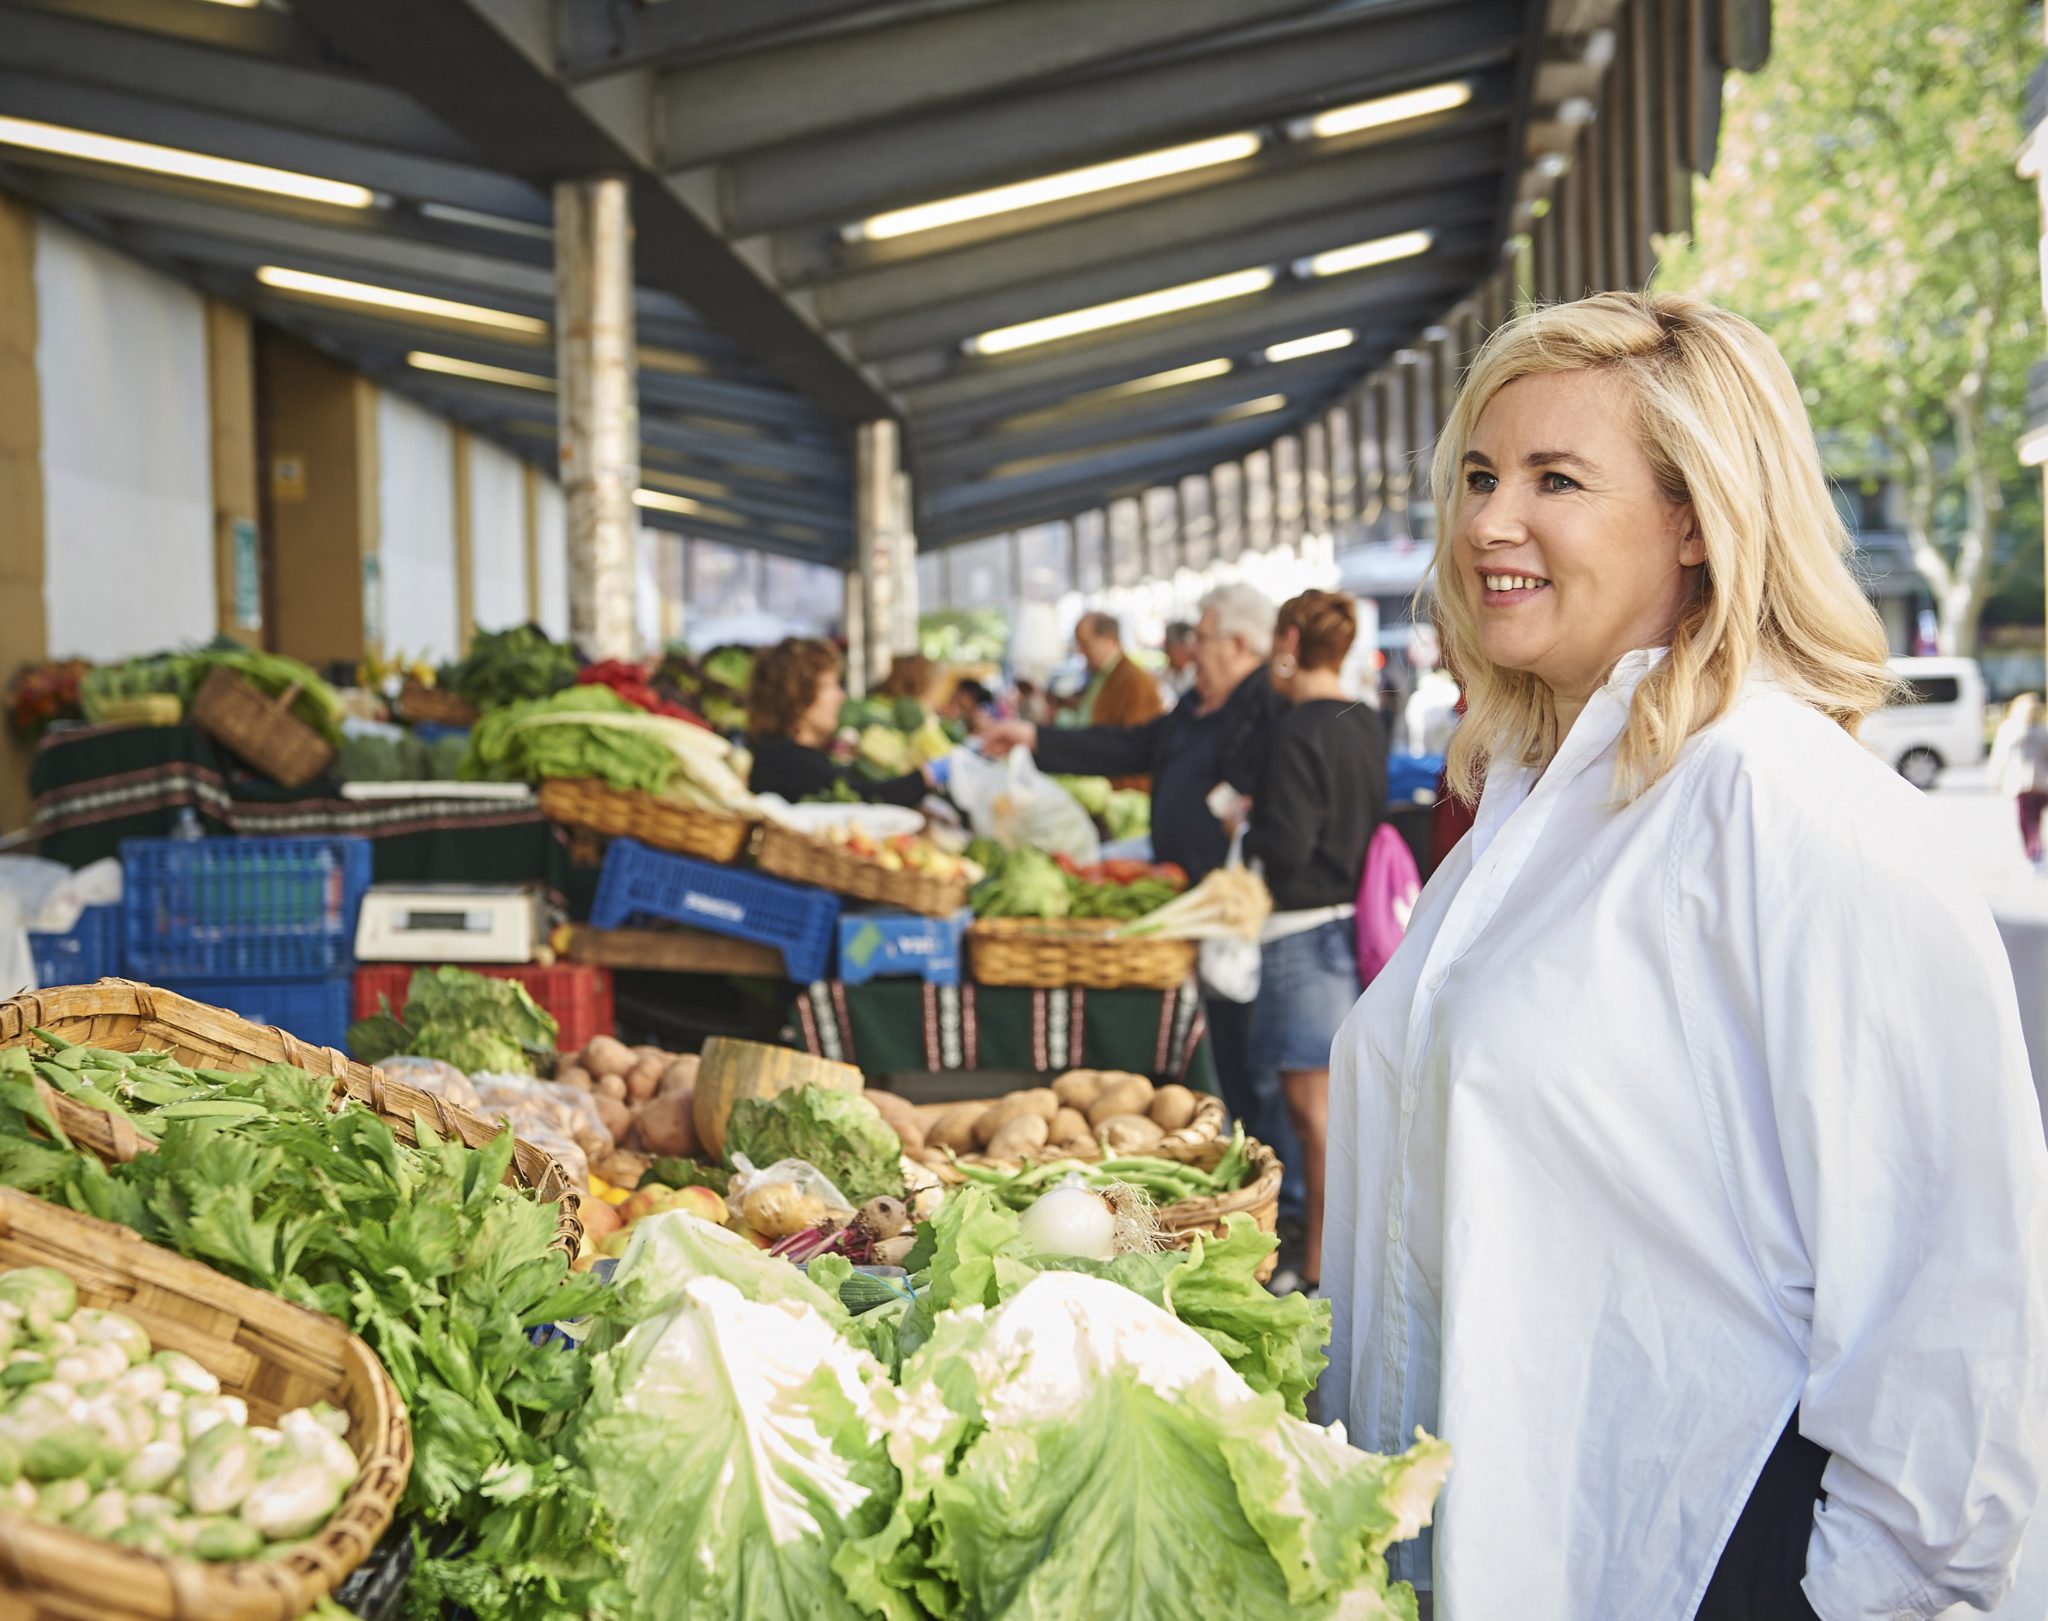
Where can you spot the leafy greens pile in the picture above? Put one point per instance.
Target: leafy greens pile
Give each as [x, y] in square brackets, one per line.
[839, 1133]
[423, 1251]
[1069, 1453]
[482, 1026]
[504, 666]
[505, 746]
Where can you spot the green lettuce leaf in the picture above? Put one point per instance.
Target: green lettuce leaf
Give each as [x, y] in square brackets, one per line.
[669, 1251]
[735, 1447]
[840, 1133]
[1077, 1453]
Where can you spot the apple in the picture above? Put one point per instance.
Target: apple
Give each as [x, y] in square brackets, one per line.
[614, 1244]
[703, 1203]
[651, 1201]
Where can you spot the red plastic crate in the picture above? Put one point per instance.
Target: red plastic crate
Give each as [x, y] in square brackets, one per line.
[578, 994]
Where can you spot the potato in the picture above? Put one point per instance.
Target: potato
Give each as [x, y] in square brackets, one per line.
[653, 1055]
[930, 1114]
[1131, 1095]
[608, 1056]
[1039, 1103]
[645, 1080]
[1129, 1133]
[1173, 1107]
[575, 1075]
[666, 1125]
[564, 1062]
[1079, 1087]
[1069, 1126]
[618, 1119]
[680, 1076]
[1020, 1135]
[619, 1167]
[611, 1086]
[901, 1116]
[955, 1128]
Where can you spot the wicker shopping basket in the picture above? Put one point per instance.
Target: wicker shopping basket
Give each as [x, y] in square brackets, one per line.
[123, 1016]
[1050, 953]
[587, 803]
[421, 704]
[1259, 1198]
[805, 860]
[263, 731]
[274, 1356]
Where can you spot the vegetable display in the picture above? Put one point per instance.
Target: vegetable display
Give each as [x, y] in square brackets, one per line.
[102, 1436]
[474, 1022]
[1026, 882]
[1120, 813]
[592, 732]
[508, 666]
[840, 1133]
[422, 1251]
[630, 681]
[370, 757]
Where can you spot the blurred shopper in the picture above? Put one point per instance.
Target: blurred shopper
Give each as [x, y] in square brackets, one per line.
[1323, 795]
[1685, 1170]
[1219, 736]
[1177, 680]
[792, 714]
[912, 675]
[2019, 765]
[1119, 692]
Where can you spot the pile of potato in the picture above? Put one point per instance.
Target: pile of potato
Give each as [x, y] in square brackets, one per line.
[1084, 1112]
[645, 1097]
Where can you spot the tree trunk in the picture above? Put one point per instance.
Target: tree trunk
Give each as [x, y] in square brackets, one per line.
[1961, 606]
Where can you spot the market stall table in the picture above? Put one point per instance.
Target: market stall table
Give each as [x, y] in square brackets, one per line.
[903, 1026]
[95, 786]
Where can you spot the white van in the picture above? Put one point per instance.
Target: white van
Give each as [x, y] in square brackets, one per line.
[1938, 722]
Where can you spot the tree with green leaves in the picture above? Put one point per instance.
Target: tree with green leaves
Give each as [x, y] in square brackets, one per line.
[1865, 213]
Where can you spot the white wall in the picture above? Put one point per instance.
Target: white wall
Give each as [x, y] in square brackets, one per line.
[127, 472]
[647, 593]
[416, 544]
[497, 536]
[553, 615]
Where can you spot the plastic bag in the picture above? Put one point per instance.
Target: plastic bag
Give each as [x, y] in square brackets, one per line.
[546, 1113]
[1229, 967]
[436, 1079]
[788, 1197]
[1012, 802]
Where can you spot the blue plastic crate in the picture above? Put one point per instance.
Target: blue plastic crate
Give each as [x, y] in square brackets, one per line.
[90, 950]
[267, 909]
[901, 945]
[794, 918]
[1412, 774]
[314, 1010]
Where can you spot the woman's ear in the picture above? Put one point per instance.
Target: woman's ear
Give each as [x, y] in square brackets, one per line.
[1692, 545]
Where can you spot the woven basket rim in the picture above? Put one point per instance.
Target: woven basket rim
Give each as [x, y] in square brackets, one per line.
[1262, 1187]
[532, 1169]
[230, 1591]
[804, 858]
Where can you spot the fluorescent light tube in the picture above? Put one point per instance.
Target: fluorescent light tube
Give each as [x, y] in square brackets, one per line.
[477, 371]
[1253, 408]
[1436, 98]
[1363, 255]
[1122, 311]
[392, 298]
[1053, 188]
[1315, 344]
[63, 142]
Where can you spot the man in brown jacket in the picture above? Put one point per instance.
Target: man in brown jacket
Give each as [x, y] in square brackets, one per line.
[1120, 693]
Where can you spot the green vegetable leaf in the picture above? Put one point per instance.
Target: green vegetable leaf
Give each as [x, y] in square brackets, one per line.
[840, 1133]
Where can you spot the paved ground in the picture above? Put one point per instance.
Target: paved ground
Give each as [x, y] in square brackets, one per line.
[1983, 832]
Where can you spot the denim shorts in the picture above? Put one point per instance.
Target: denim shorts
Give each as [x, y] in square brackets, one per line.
[1307, 985]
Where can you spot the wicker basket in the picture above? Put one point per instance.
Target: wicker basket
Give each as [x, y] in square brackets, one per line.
[1259, 1198]
[263, 731]
[587, 803]
[805, 860]
[1048, 953]
[273, 1355]
[422, 704]
[126, 1017]
[1205, 1128]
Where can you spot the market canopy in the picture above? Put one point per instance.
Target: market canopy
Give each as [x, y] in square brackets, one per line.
[851, 209]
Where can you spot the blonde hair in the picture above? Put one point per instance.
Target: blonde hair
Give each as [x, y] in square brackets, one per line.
[1724, 429]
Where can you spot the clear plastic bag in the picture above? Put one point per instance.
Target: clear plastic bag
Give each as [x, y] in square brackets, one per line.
[436, 1079]
[1012, 802]
[538, 1110]
[788, 1197]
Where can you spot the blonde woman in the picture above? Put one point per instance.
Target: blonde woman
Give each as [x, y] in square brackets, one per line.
[1684, 1169]
[2019, 765]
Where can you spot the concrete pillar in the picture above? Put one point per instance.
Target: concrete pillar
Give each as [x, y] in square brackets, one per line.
[320, 431]
[599, 406]
[23, 626]
[465, 541]
[885, 552]
[856, 633]
[231, 403]
[529, 512]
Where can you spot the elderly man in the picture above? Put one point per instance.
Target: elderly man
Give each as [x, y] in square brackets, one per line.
[1178, 678]
[1119, 693]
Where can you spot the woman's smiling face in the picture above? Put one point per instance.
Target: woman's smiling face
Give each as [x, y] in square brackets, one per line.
[1568, 552]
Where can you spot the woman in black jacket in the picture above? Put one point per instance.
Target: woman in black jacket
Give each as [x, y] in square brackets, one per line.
[793, 709]
[1323, 795]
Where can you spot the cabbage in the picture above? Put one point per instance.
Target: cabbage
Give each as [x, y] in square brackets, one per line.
[736, 1447]
[1078, 1453]
[672, 1249]
[838, 1133]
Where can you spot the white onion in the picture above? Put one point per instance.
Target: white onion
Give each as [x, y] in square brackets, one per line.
[1072, 1220]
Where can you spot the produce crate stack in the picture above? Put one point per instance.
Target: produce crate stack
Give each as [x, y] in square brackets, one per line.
[262, 927]
[640, 884]
[578, 996]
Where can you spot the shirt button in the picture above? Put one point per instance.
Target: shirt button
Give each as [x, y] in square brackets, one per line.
[1407, 1100]
[1394, 1230]
[1436, 980]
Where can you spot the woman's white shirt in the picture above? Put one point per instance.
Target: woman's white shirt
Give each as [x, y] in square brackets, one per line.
[1664, 1123]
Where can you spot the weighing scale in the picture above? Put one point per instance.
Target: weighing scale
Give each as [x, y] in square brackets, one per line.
[500, 923]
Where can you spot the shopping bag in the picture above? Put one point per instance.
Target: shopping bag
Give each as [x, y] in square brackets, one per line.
[1013, 802]
[1229, 967]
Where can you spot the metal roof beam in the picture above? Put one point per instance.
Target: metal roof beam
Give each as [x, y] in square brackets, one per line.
[1090, 283]
[507, 100]
[1368, 299]
[1355, 53]
[598, 36]
[798, 91]
[249, 30]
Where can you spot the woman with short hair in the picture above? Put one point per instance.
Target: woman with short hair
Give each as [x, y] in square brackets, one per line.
[1323, 795]
[1685, 1171]
[793, 706]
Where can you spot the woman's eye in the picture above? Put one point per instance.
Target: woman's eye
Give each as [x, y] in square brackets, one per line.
[1480, 483]
[1557, 483]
